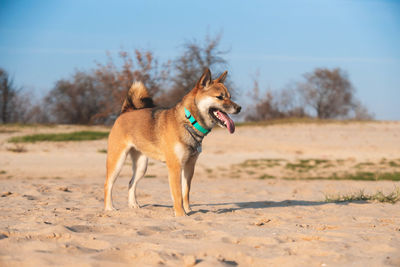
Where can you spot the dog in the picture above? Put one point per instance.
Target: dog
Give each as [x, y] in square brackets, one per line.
[173, 136]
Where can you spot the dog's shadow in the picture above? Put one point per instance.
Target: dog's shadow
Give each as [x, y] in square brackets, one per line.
[261, 205]
[257, 205]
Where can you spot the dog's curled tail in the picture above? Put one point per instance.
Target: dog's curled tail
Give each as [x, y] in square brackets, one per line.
[138, 97]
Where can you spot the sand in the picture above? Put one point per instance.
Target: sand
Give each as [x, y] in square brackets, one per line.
[51, 202]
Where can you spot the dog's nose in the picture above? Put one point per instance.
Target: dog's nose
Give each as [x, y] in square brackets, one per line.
[238, 109]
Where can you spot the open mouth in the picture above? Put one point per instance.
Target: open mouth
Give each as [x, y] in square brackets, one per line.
[222, 119]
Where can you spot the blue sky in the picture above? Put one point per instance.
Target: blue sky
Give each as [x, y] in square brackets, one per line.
[43, 41]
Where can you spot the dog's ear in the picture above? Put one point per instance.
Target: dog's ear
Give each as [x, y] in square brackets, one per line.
[205, 79]
[222, 78]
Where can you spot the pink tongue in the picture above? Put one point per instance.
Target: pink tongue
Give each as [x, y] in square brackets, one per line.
[229, 122]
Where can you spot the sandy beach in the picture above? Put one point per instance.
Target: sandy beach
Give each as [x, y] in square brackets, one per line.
[258, 199]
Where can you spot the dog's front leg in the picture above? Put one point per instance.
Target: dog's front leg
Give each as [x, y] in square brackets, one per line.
[187, 175]
[174, 176]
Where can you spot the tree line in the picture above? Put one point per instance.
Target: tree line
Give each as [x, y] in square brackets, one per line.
[323, 93]
[95, 96]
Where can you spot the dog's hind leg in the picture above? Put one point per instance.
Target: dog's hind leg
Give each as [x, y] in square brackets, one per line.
[115, 159]
[139, 167]
[187, 175]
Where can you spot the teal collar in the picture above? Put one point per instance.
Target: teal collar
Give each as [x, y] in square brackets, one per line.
[195, 123]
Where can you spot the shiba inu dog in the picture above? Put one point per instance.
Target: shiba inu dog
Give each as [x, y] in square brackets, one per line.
[172, 135]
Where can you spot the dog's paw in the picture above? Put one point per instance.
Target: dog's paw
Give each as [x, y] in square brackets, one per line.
[188, 210]
[180, 213]
[134, 206]
[110, 208]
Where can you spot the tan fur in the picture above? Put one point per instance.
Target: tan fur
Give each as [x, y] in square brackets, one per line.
[160, 134]
[134, 99]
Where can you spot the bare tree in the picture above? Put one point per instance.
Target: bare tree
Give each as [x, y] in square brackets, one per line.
[21, 107]
[15, 104]
[274, 104]
[115, 81]
[38, 113]
[328, 92]
[191, 63]
[96, 96]
[360, 112]
[8, 94]
[75, 101]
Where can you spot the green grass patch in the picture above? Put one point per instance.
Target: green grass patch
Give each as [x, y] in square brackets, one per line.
[59, 137]
[150, 176]
[319, 169]
[298, 167]
[340, 161]
[392, 197]
[304, 165]
[265, 176]
[3, 172]
[329, 165]
[383, 161]
[372, 176]
[394, 164]
[260, 163]
[363, 165]
[391, 176]
[319, 161]
[102, 151]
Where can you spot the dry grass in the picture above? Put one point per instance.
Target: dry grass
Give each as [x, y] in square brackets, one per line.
[379, 196]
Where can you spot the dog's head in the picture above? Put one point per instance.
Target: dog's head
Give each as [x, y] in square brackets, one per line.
[214, 102]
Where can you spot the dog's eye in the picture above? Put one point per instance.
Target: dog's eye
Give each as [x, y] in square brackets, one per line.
[220, 97]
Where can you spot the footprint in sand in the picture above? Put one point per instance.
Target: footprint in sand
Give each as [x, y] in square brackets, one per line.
[29, 197]
[151, 230]
[82, 249]
[3, 236]
[145, 232]
[187, 234]
[81, 228]
[6, 194]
